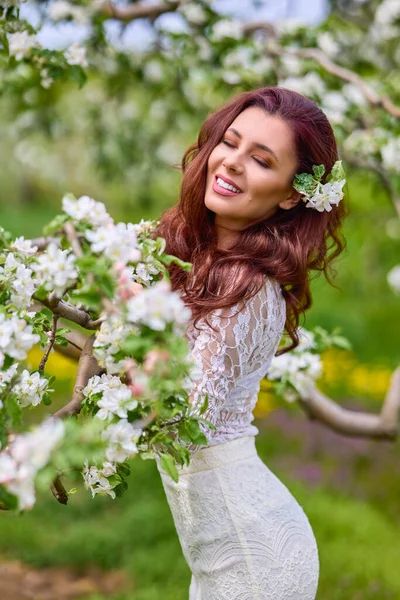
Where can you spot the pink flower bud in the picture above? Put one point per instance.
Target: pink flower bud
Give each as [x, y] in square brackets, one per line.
[137, 389]
[152, 358]
[119, 266]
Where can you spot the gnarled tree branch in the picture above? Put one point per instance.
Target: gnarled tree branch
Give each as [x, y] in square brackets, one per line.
[383, 426]
[87, 368]
[72, 313]
[130, 12]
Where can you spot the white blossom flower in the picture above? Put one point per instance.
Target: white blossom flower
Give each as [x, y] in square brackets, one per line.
[205, 50]
[111, 334]
[231, 77]
[76, 55]
[393, 278]
[226, 28]
[122, 438]
[98, 384]
[306, 340]
[335, 106]
[23, 287]
[390, 155]
[116, 402]
[144, 272]
[118, 242]
[16, 337]
[21, 43]
[353, 94]
[58, 10]
[1, 362]
[10, 265]
[298, 368]
[193, 13]
[20, 244]
[46, 81]
[7, 375]
[328, 44]
[240, 57]
[55, 269]
[96, 479]
[153, 71]
[25, 456]
[309, 85]
[157, 306]
[387, 12]
[291, 64]
[30, 388]
[145, 228]
[328, 195]
[87, 209]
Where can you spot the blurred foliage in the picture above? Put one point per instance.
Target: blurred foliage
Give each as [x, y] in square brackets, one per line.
[355, 525]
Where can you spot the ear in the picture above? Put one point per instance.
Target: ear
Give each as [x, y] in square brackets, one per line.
[291, 200]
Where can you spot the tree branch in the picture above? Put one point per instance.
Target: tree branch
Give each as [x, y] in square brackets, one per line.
[50, 343]
[87, 368]
[76, 341]
[383, 426]
[72, 313]
[373, 99]
[130, 12]
[72, 237]
[381, 173]
[43, 242]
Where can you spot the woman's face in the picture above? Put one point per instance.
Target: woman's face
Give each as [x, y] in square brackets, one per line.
[256, 156]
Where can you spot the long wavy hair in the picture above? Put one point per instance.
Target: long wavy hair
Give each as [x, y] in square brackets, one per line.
[285, 247]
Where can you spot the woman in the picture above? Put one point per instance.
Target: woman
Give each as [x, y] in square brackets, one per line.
[253, 242]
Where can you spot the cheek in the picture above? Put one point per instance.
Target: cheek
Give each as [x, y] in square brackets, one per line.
[214, 159]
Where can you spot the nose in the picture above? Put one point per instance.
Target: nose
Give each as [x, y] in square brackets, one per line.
[232, 163]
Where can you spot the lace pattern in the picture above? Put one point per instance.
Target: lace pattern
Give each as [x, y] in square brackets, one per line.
[233, 360]
[243, 534]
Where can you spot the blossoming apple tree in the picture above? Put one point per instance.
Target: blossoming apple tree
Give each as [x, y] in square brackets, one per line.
[99, 290]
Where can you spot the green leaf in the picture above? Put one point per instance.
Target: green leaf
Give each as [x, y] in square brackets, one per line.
[13, 410]
[137, 346]
[337, 173]
[77, 74]
[55, 224]
[194, 432]
[169, 466]
[204, 406]
[46, 399]
[90, 298]
[168, 259]
[9, 500]
[107, 284]
[124, 469]
[319, 171]
[304, 183]
[121, 489]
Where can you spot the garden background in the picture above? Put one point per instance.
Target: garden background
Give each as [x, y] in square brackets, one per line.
[59, 141]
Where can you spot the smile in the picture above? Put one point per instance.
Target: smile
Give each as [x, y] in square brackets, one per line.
[224, 188]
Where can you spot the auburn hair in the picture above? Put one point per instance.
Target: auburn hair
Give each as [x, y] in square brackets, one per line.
[286, 246]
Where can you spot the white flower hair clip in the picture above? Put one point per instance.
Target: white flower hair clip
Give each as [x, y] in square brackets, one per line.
[318, 195]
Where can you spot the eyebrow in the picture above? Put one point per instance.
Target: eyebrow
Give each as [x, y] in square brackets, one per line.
[262, 146]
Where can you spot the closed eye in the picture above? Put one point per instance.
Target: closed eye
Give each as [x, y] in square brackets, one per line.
[260, 162]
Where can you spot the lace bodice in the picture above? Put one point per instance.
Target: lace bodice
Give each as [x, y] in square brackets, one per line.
[232, 361]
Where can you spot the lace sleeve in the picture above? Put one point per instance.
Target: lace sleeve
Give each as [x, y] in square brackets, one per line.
[236, 353]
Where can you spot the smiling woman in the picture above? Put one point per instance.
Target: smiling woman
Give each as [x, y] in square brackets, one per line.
[252, 242]
[241, 167]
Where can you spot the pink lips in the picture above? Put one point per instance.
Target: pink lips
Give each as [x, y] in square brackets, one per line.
[220, 190]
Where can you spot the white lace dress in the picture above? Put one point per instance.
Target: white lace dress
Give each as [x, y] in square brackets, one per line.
[243, 534]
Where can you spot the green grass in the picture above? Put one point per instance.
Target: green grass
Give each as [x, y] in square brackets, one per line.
[359, 545]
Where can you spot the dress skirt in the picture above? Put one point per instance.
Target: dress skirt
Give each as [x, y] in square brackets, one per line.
[243, 534]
